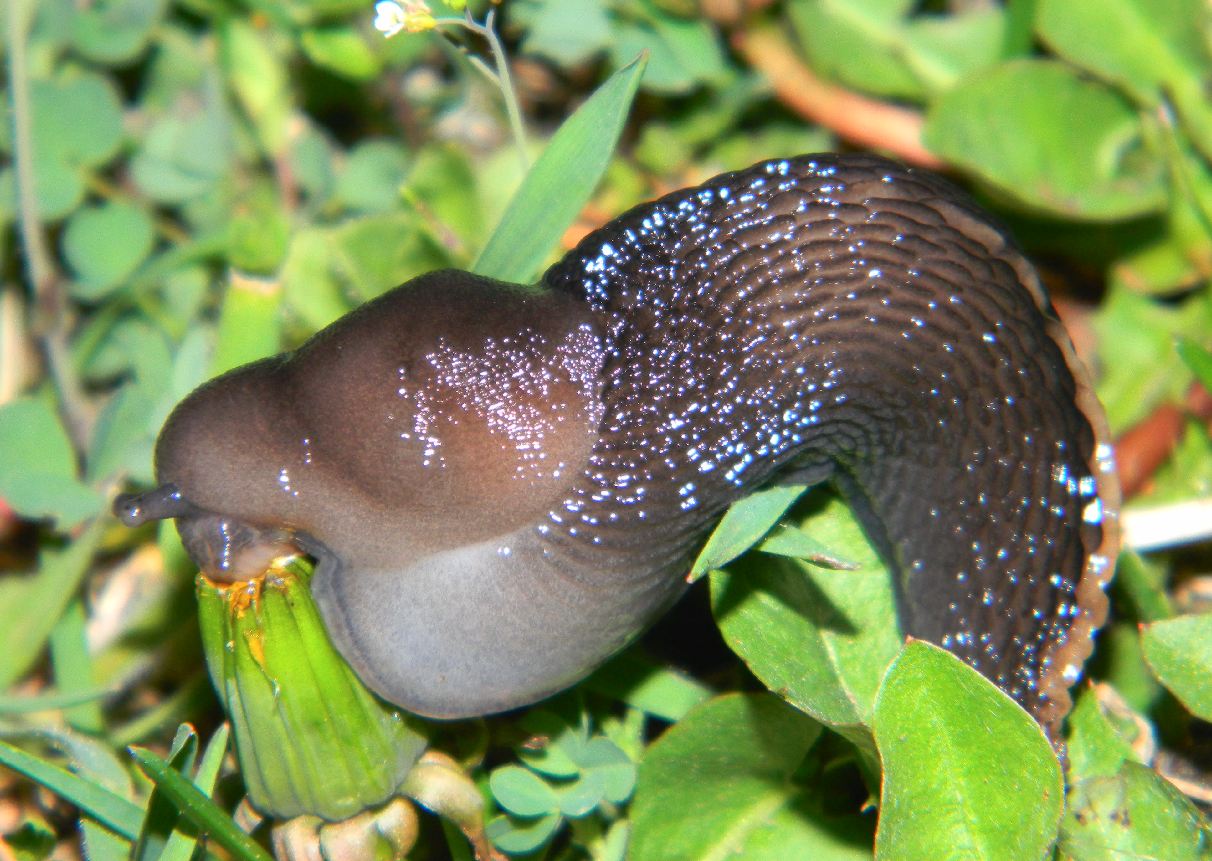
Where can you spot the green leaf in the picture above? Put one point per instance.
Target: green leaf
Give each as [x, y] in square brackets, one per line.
[38, 473]
[605, 762]
[258, 232]
[1156, 51]
[1136, 350]
[1197, 359]
[1134, 814]
[560, 182]
[254, 69]
[250, 325]
[310, 288]
[788, 540]
[199, 809]
[857, 43]
[101, 844]
[967, 772]
[656, 690]
[32, 841]
[744, 525]
[522, 792]
[1179, 652]
[104, 244]
[112, 810]
[185, 153]
[822, 639]
[565, 31]
[373, 174]
[342, 50]
[115, 32]
[521, 836]
[1097, 746]
[553, 745]
[77, 125]
[162, 815]
[1046, 137]
[375, 253]
[682, 54]
[718, 783]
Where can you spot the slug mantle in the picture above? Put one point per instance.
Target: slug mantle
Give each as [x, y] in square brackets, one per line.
[503, 485]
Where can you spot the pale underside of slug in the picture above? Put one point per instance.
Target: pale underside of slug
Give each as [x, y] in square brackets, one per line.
[504, 485]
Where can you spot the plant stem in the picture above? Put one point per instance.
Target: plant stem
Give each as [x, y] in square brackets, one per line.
[502, 78]
[49, 307]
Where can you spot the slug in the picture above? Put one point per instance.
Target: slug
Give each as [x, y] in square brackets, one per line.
[502, 485]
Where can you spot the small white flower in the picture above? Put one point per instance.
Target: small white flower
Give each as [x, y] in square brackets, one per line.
[389, 17]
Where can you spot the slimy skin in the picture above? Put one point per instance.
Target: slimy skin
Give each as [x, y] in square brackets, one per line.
[503, 485]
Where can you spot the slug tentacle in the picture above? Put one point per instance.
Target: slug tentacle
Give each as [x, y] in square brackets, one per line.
[502, 485]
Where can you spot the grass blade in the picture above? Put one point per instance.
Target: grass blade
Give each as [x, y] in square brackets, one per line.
[561, 181]
[197, 808]
[113, 811]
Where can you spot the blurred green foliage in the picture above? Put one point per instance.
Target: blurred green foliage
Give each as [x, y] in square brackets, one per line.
[188, 185]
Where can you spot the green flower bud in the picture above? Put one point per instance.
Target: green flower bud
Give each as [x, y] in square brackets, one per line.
[311, 739]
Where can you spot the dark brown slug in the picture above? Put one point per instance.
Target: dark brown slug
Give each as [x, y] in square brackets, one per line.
[502, 485]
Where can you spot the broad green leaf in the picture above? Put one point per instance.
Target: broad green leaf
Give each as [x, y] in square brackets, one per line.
[375, 253]
[718, 784]
[821, 638]
[1157, 51]
[659, 691]
[1050, 139]
[967, 772]
[199, 809]
[1097, 745]
[1136, 351]
[38, 469]
[104, 244]
[788, 540]
[186, 152]
[522, 792]
[1133, 814]
[1198, 359]
[250, 323]
[1179, 651]
[553, 745]
[77, 125]
[566, 31]
[374, 171]
[560, 182]
[342, 50]
[115, 32]
[311, 289]
[744, 525]
[859, 44]
[682, 54]
[520, 836]
[108, 808]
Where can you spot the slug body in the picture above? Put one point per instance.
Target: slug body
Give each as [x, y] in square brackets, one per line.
[503, 485]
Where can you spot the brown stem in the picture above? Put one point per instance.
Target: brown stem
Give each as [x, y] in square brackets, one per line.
[867, 122]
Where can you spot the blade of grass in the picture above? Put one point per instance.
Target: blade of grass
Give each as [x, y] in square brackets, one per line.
[561, 181]
[181, 844]
[113, 811]
[162, 813]
[197, 808]
[52, 701]
[74, 668]
[32, 607]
